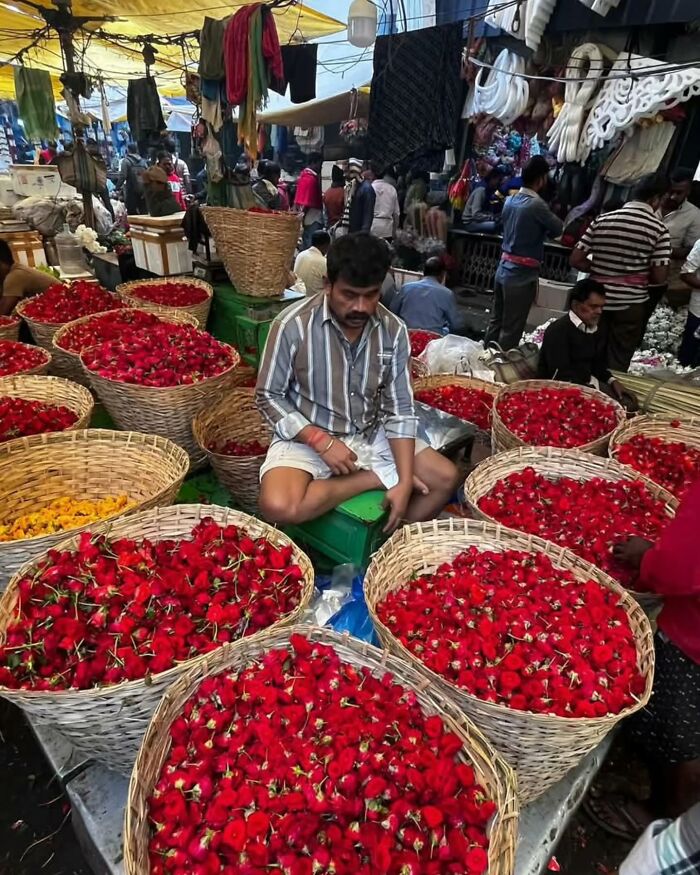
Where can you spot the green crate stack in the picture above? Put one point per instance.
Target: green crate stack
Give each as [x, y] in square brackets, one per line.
[349, 534]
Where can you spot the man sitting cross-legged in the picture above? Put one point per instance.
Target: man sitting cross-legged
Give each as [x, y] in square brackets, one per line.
[334, 383]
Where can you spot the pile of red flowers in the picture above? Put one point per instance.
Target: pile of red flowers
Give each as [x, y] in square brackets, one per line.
[105, 326]
[470, 404]
[510, 628]
[587, 516]
[63, 303]
[6, 321]
[165, 355]
[420, 339]
[20, 417]
[18, 358]
[240, 448]
[304, 764]
[561, 417]
[121, 610]
[172, 294]
[672, 464]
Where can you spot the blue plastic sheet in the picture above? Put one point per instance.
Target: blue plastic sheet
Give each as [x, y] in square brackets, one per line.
[353, 616]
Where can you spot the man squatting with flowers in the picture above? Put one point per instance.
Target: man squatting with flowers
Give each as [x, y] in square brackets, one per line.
[334, 383]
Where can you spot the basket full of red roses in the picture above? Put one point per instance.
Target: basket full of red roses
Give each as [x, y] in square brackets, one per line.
[541, 649]
[180, 294]
[664, 448]
[82, 466]
[124, 609]
[75, 337]
[235, 438]
[9, 327]
[574, 499]
[46, 312]
[35, 405]
[158, 380]
[22, 358]
[467, 398]
[549, 413]
[361, 768]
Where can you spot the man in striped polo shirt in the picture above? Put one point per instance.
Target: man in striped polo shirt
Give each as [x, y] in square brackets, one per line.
[335, 386]
[627, 251]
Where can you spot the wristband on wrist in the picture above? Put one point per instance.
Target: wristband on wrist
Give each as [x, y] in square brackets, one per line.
[316, 438]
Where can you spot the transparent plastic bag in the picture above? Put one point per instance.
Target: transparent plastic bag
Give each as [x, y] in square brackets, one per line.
[453, 354]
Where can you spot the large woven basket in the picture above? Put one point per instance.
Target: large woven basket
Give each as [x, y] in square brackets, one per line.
[168, 412]
[554, 463]
[437, 381]
[491, 772]
[51, 390]
[11, 331]
[39, 369]
[92, 464]
[237, 418]
[108, 723]
[687, 431]
[42, 332]
[67, 364]
[129, 293]
[541, 748]
[504, 439]
[256, 248]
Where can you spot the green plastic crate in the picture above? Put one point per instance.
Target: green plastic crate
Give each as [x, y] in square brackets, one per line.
[204, 488]
[248, 334]
[101, 419]
[349, 534]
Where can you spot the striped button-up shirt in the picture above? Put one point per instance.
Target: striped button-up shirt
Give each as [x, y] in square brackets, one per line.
[311, 375]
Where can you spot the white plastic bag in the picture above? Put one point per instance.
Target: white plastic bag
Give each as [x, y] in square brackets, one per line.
[453, 354]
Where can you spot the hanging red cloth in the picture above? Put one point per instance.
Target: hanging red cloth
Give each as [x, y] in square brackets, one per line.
[236, 54]
[271, 48]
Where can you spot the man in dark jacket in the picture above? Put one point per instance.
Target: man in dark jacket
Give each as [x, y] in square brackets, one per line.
[363, 198]
[131, 172]
[573, 349]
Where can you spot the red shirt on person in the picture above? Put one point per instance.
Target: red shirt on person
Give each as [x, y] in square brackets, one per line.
[308, 194]
[176, 186]
[671, 568]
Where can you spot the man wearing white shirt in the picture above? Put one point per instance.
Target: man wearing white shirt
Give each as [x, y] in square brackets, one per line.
[689, 353]
[387, 212]
[310, 266]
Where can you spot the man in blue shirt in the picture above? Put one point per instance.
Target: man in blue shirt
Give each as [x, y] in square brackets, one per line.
[428, 304]
[527, 222]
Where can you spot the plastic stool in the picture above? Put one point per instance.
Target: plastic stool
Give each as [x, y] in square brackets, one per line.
[349, 534]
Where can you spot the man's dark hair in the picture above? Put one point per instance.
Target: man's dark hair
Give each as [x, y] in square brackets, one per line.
[162, 155]
[360, 259]
[535, 169]
[320, 238]
[377, 169]
[434, 266]
[649, 187]
[132, 148]
[682, 174]
[337, 175]
[268, 169]
[494, 174]
[420, 174]
[583, 290]
[6, 256]
[170, 145]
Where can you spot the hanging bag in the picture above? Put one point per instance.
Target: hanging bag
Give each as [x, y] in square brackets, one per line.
[458, 192]
[513, 365]
[82, 170]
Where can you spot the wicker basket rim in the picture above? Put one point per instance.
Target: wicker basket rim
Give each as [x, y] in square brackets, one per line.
[125, 437]
[638, 423]
[128, 289]
[21, 307]
[103, 527]
[499, 532]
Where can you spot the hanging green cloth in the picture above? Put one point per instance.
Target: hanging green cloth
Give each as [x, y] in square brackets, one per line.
[37, 108]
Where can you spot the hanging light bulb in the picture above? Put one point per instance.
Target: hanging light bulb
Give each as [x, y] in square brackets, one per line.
[362, 23]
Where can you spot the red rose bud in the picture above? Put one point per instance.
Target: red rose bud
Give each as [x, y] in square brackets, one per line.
[672, 464]
[170, 294]
[20, 417]
[471, 405]
[19, 358]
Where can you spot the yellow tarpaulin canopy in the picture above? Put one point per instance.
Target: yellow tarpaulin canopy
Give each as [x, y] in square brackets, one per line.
[107, 56]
